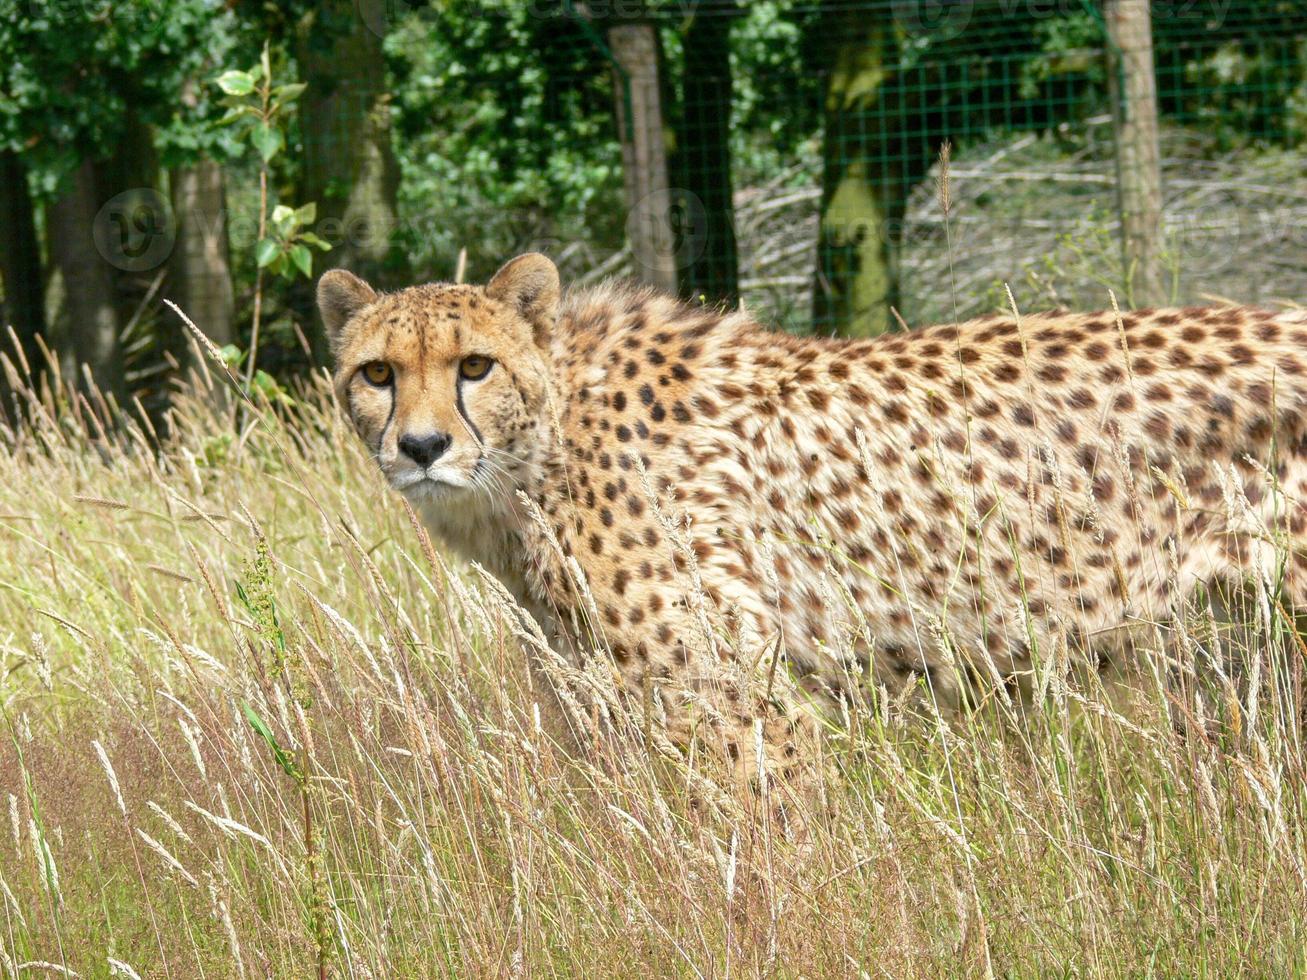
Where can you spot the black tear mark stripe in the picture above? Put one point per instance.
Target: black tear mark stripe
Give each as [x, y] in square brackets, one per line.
[389, 418]
[462, 411]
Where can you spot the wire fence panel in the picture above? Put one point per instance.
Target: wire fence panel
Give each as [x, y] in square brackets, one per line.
[803, 144]
[788, 155]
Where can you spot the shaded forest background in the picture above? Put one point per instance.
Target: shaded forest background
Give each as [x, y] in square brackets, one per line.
[418, 141]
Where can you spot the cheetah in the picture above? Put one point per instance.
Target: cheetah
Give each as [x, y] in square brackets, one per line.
[691, 494]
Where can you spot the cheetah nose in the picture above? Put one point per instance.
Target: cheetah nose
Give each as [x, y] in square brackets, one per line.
[424, 450]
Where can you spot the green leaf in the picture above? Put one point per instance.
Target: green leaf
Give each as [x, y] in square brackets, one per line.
[278, 266]
[303, 260]
[264, 732]
[307, 214]
[308, 238]
[284, 218]
[235, 115]
[267, 251]
[286, 94]
[267, 140]
[265, 63]
[231, 355]
[235, 83]
[266, 385]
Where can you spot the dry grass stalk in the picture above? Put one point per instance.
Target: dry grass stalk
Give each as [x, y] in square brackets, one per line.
[458, 836]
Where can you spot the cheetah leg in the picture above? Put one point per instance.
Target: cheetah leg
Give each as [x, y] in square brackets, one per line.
[1295, 559]
[1261, 549]
[763, 752]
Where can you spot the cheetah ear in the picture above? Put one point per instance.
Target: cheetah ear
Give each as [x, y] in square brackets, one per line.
[529, 284]
[341, 294]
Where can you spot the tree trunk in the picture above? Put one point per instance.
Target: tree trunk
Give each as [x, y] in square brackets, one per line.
[644, 152]
[133, 170]
[89, 314]
[1132, 87]
[703, 157]
[199, 275]
[870, 165]
[348, 167]
[20, 263]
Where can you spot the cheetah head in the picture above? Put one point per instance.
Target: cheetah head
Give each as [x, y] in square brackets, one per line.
[446, 385]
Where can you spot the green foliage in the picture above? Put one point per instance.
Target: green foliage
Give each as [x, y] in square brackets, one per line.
[264, 384]
[286, 668]
[505, 138]
[282, 757]
[257, 106]
[258, 109]
[1068, 45]
[775, 113]
[503, 111]
[71, 74]
[286, 249]
[257, 596]
[1235, 79]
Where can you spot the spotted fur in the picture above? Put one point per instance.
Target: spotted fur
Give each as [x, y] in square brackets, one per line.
[950, 501]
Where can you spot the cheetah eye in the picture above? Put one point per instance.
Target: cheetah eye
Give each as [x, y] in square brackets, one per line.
[475, 367]
[378, 373]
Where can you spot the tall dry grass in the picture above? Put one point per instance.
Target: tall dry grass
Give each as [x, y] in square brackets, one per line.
[251, 727]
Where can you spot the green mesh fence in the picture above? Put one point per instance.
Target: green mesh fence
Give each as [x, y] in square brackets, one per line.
[797, 146]
[803, 143]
